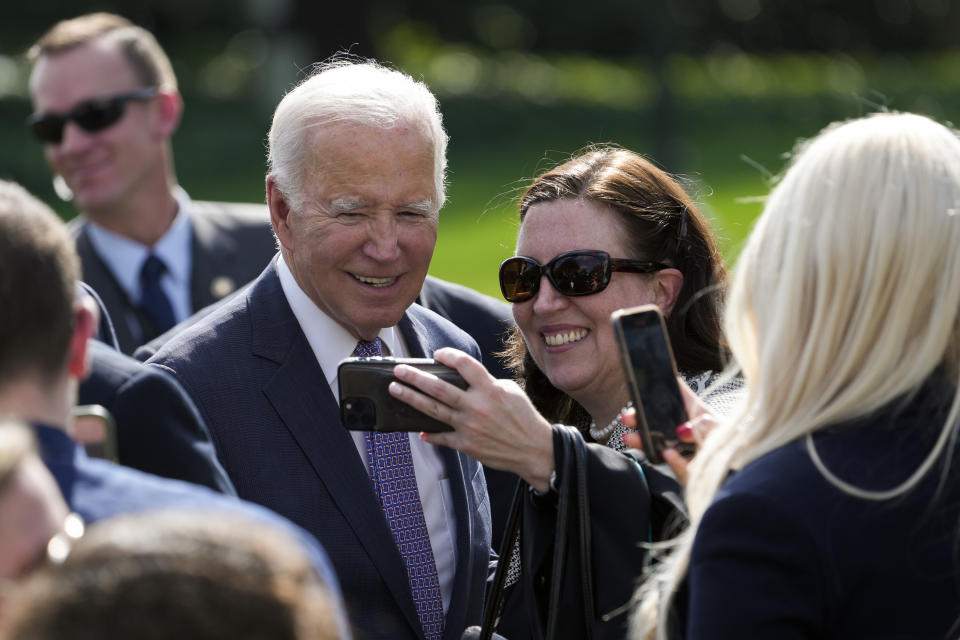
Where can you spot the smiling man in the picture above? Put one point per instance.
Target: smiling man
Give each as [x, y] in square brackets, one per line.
[105, 106]
[356, 181]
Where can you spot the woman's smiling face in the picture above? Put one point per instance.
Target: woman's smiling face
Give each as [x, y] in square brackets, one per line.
[571, 338]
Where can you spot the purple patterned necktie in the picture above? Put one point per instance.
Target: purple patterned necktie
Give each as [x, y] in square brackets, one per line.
[394, 481]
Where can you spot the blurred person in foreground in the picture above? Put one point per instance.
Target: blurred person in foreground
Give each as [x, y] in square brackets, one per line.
[357, 157]
[603, 231]
[45, 332]
[106, 106]
[167, 575]
[32, 511]
[829, 507]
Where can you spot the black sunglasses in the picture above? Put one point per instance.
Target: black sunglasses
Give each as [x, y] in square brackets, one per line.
[91, 115]
[573, 273]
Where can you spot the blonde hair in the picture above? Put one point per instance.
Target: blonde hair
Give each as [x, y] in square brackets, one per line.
[846, 296]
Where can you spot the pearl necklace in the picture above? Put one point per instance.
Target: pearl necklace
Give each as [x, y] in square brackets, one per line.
[603, 434]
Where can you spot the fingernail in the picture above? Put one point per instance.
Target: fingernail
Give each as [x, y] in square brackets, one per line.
[684, 431]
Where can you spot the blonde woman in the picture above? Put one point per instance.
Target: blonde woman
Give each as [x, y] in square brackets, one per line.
[829, 508]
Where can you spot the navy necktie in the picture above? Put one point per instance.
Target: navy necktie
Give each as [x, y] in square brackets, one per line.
[395, 483]
[153, 301]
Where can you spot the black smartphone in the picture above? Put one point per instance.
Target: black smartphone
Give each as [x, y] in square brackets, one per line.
[651, 375]
[366, 404]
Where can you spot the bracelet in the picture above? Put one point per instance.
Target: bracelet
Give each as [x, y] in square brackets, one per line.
[552, 485]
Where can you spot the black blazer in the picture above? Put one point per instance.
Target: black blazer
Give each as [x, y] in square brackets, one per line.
[276, 427]
[630, 506]
[159, 430]
[486, 319]
[231, 245]
[782, 553]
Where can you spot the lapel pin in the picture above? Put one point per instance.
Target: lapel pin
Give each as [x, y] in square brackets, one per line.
[222, 286]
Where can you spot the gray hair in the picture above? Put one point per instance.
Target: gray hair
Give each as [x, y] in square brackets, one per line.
[359, 92]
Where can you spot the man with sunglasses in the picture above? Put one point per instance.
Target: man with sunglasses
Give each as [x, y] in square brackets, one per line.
[106, 105]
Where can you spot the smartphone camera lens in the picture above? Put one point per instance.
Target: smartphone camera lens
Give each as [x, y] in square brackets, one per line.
[359, 413]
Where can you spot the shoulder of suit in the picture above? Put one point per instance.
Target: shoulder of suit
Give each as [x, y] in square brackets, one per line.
[226, 322]
[453, 335]
[231, 213]
[448, 297]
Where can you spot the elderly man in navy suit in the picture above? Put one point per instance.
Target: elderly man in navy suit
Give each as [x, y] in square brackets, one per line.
[356, 181]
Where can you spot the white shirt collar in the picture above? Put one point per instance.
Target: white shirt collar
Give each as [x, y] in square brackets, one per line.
[330, 342]
[124, 257]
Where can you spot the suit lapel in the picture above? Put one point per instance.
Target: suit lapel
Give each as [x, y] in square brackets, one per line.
[300, 395]
[115, 299]
[214, 253]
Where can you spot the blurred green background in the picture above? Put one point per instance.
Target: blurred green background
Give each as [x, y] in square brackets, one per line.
[715, 91]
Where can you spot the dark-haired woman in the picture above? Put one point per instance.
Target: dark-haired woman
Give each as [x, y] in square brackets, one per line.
[604, 231]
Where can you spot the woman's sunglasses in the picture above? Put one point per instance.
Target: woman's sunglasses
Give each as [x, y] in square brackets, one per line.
[573, 273]
[90, 115]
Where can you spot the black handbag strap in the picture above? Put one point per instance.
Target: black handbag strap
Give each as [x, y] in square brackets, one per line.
[494, 605]
[560, 534]
[586, 546]
[573, 486]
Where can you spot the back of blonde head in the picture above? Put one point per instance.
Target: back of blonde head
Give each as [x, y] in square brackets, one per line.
[846, 296]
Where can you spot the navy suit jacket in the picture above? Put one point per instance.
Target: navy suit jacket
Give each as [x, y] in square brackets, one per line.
[276, 427]
[97, 489]
[230, 240]
[159, 430]
[782, 553]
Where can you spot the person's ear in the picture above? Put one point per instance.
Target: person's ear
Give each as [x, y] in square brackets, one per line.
[667, 284]
[169, 110]
[85, 319]
[280, 213]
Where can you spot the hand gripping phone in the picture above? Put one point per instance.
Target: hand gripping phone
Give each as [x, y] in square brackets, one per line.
[366, 404]
[652, 378]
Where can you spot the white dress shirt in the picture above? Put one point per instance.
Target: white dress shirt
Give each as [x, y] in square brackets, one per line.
[331, 343]
[125, 257]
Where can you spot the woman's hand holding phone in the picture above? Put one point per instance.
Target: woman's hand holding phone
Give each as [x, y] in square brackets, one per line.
[493, 420]
[694, 430]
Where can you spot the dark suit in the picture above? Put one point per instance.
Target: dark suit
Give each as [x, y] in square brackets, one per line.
[782, 553]
[97, 489]
[232, 241]
[486, 319]
[158, 428]
[630, 507]
[276, 427]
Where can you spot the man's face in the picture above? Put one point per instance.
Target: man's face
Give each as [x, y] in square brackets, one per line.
[105, 168]
[361, 244]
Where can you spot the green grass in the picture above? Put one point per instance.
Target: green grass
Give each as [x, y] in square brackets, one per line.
[723, 146]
